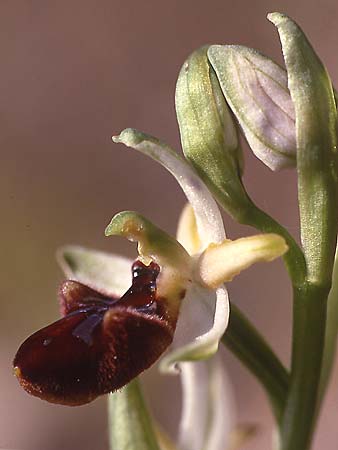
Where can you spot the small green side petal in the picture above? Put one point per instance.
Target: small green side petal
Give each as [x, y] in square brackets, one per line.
[129, 421]
[256, 90]
[208, 134]
[220, 263]
[317, 158]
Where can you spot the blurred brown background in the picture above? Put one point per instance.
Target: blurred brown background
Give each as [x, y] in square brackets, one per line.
[73, 73]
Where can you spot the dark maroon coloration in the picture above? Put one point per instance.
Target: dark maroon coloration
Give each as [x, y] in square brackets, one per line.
[99, 345]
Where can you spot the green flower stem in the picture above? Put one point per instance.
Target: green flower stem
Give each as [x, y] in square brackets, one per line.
[294, 258]
[244, 341]
[331, 335]
[308, 344]
[317, 167]
[130, 425]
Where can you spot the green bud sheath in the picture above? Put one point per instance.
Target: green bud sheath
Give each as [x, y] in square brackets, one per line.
[208, 133]
[316, 137]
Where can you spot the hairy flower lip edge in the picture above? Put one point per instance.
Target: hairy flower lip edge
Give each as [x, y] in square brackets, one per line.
[68, 395]
[125, 341]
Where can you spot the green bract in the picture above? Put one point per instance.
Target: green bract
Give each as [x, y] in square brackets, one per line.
[208, 134]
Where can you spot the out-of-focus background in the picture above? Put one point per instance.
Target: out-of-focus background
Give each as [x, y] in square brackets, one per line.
[72, 73]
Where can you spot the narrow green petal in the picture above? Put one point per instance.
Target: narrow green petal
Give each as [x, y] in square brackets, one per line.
[316, 133]
[256, 90]
[220, 263]
[101, 271]
[187, 233]
[130, 425]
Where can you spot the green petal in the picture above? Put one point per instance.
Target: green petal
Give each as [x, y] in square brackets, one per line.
[220, 263]
[316, 133]
[130, 425]
[187, 233]
[110, 274]
[256, 89]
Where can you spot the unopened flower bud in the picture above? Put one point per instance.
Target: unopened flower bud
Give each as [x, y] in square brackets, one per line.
[256, 89]
[208, 132]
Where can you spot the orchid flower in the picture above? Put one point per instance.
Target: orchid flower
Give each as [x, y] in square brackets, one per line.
[176, 310]
[104, 341]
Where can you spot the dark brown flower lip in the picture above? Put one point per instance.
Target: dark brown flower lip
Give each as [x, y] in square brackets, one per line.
[99, 345]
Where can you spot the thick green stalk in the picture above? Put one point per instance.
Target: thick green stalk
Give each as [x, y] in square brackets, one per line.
[308, 343]
[244, 341]
[316, 134]
[130, 425]
[331, 335]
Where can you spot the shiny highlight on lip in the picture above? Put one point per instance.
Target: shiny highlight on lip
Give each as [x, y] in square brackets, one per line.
[99, 344]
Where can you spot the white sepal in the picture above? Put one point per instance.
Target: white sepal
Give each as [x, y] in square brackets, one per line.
[203, 319]
[208, 217]
[107, 273]
[208, 406]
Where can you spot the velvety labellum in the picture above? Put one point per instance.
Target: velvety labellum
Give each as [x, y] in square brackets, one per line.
[99, 345]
